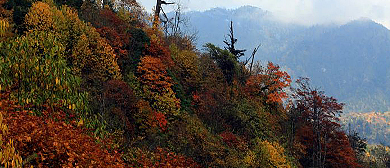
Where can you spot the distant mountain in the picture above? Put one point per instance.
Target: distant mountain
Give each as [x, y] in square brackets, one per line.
[350, 62]
[374, 126]
[252, 25]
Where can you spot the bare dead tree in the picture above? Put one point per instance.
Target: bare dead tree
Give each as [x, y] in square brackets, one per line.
[176, 26]
[158, 10]
[172, 26]
[251, 58]
[231, 43]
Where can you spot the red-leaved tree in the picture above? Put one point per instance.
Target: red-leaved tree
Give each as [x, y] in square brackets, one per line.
[319, 131]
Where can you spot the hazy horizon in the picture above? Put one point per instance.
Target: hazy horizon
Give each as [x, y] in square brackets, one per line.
[304, 12]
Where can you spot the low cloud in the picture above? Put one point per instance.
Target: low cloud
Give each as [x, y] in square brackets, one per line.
[306, 12]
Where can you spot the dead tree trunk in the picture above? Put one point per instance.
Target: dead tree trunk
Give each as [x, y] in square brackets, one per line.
[158, 11]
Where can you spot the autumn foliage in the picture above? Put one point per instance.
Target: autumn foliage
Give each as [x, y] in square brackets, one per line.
[94, 84]
[120, 106]
[40, 17]
[88, 54]
[161, 158]
[229, 138]
[270, 83]
[9, 157]
[153, 73]
[49, 140]
[319, 132]
[158, 48]
[157, 86]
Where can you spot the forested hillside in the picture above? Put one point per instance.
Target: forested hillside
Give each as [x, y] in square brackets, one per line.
[89, 84]
[348, 61]
[374, 126]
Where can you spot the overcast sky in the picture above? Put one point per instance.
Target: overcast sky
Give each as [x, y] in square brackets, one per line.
[307, 12]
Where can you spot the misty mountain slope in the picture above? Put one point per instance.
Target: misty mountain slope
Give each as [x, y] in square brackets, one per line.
[374, 126]
[252, 25]
[350, 62]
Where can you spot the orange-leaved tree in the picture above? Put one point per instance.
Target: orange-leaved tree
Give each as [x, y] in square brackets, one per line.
[48, 140]
[40, 17]
[157, 86]
[157, 47]
[269, 83]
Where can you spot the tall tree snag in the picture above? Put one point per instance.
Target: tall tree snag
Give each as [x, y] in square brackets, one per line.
[158, 10]
[231, 42]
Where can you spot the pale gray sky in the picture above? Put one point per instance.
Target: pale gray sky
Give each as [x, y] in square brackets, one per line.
[307, 12]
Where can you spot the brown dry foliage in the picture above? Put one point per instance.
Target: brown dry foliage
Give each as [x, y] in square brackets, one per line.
[54, 141]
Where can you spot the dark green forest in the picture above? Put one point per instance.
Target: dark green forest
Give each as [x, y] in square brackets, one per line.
[105, 84]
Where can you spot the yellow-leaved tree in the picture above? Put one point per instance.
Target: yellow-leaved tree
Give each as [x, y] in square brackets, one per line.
[86, 56]
[87, 53]
[267, 154]
[40, 17]
[187, 67]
